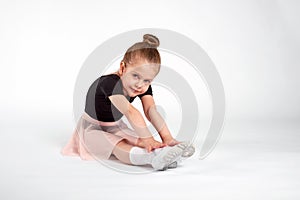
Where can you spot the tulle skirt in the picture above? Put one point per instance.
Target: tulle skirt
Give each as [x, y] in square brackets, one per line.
[93, 139]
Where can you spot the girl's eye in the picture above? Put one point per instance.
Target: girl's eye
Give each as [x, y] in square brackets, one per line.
[147, 81]
[135, 75]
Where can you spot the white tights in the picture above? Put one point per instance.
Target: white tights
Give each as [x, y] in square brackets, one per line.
[140, 156]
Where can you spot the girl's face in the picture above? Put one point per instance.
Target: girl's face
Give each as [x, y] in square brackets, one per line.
[136, 78]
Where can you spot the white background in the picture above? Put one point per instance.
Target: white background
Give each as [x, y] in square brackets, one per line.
[254, 45]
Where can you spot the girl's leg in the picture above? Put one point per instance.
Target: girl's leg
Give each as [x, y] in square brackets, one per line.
[159, 158]
[129, 154]
[122, 150]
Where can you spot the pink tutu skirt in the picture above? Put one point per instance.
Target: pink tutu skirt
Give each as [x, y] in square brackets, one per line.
[93, 139]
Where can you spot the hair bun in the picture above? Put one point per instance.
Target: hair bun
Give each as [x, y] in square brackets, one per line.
[152, 40]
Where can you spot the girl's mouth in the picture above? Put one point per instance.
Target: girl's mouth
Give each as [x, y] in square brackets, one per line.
[135, 91]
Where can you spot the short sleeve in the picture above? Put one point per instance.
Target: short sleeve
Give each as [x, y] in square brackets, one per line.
[148, 92]
[110, 86]
[99, 104]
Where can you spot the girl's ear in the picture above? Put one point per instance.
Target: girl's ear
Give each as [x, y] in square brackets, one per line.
[122, 68]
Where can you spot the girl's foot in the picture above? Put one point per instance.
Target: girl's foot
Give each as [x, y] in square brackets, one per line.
[173, 165]
[187, 152]
[168, 155]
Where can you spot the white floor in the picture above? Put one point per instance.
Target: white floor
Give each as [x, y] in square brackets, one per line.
[253, 160]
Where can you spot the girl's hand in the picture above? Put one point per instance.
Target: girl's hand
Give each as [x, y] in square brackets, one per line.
[171, 142]
[149, 144]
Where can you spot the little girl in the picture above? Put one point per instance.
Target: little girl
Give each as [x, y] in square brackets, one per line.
[100, 132]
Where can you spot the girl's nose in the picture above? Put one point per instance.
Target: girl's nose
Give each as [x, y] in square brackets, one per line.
[139, 84]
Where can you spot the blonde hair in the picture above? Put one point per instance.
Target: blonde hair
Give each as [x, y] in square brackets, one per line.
[147, 49]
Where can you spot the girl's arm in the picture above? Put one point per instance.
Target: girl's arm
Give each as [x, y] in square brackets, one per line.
[137, 122]
[157, 121]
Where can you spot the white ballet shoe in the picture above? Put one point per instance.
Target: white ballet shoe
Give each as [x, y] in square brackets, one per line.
[173, 165]
[188, 151]
[167, 156]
